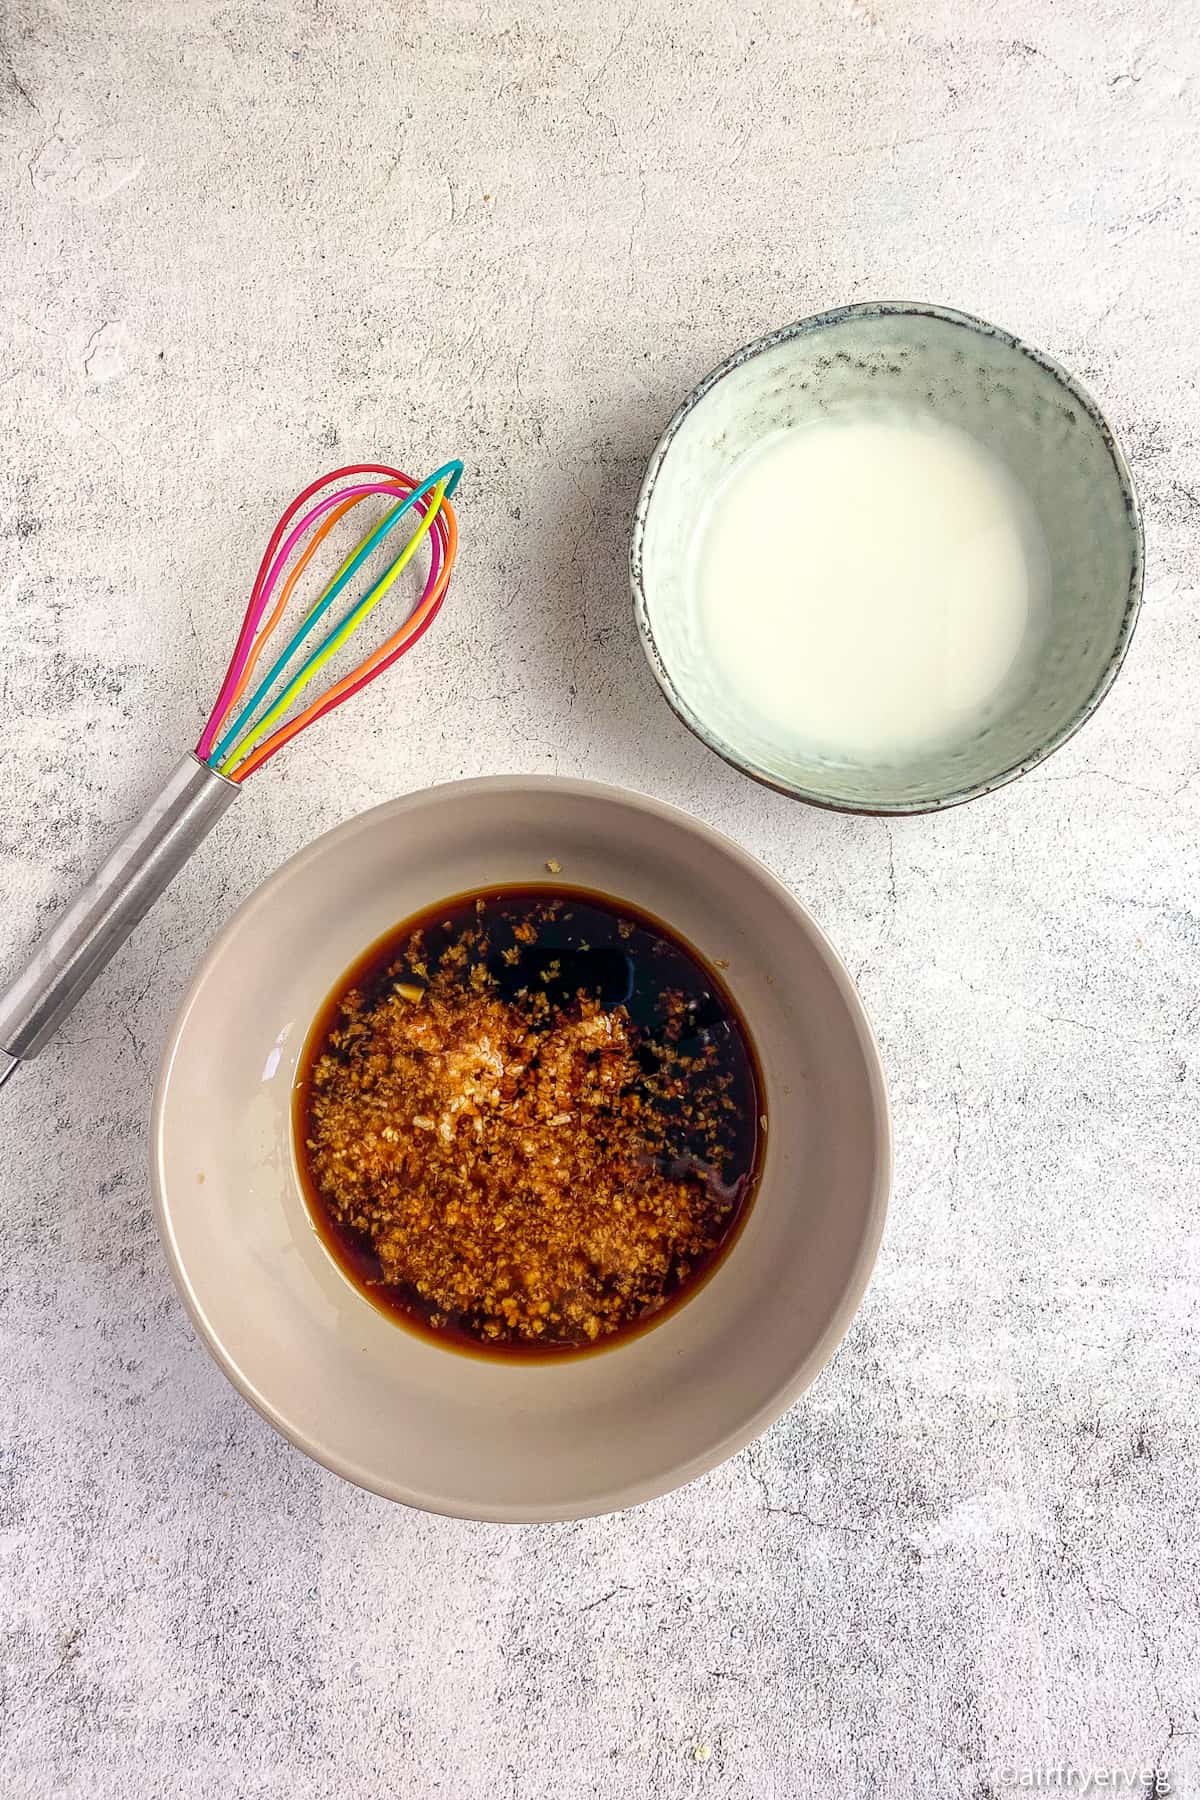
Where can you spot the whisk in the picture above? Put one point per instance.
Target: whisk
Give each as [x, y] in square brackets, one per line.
[249, 724]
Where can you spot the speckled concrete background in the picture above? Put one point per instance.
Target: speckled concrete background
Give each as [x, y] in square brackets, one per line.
[242, 241]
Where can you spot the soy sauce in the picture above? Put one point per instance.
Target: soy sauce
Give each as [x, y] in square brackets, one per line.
[536, 992]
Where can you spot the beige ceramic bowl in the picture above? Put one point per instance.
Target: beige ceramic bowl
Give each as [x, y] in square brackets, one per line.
[463, 1434]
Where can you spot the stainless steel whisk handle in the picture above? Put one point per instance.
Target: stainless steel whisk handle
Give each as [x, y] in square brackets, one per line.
[98, 921]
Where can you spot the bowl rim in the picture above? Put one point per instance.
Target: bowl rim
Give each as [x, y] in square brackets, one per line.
[802, 328]
[622, 1494]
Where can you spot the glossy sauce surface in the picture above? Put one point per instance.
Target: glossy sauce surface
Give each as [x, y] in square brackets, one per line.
[529, 1121]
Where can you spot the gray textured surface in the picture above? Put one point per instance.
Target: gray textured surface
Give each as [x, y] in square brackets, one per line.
[243, 240]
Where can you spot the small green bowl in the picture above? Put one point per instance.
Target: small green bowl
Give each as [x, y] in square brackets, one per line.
[1019, 403]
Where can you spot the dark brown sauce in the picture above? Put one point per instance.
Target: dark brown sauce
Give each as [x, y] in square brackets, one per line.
[584, 952]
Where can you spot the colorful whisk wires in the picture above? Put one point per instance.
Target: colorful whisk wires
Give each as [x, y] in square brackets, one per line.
[245, 729]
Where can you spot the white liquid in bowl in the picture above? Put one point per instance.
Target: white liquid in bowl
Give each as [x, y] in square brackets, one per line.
[867, 587]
